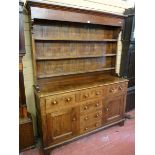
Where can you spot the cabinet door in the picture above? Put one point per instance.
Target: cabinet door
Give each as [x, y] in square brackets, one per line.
[62, 125]
[113, 108]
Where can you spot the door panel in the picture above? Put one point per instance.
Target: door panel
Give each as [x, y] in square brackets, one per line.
[62, 125]
[113, 108]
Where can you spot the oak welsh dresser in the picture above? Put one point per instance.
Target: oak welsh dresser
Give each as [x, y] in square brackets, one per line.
[74, 56]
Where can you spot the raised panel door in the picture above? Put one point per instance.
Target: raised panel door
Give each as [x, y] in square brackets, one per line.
[62, 125]
[113, 108]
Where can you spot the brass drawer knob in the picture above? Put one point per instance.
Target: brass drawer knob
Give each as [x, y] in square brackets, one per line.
[112, 90]
[97, 115]
[86, 96]
[97, 104]
[98, 93]
[86, 128]
[74, 119]
[120, 88]
[85, 107]
[86, 118]
[107, 109]
[55, 102]
[68, 99]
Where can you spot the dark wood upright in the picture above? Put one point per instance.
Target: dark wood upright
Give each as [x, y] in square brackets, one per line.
[26, 136]
[127, 67]
[74, 61]
[22, 98]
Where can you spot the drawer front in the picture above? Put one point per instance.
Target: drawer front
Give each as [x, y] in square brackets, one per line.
[89, 127]
[89, 94]
[90, 106]
[58, 102]
[91, 118]
[115, 88]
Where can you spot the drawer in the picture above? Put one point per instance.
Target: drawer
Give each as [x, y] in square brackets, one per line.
[90, 118]
[115, 88]
[60, 101]
[90, 106]
[89, 94]
[89, 127]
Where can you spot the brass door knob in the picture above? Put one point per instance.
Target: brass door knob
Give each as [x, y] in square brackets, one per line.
[96, 124]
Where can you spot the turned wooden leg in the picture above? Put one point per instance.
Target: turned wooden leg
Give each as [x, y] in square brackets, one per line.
[121, 123]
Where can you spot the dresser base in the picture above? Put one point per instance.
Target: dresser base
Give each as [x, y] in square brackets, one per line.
[47, 150]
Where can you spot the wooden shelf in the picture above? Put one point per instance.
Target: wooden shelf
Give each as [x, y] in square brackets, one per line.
[74, 57]
[75, 40]
[72, 73]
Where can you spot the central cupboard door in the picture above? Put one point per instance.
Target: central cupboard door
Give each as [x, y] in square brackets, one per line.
[62, 125]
